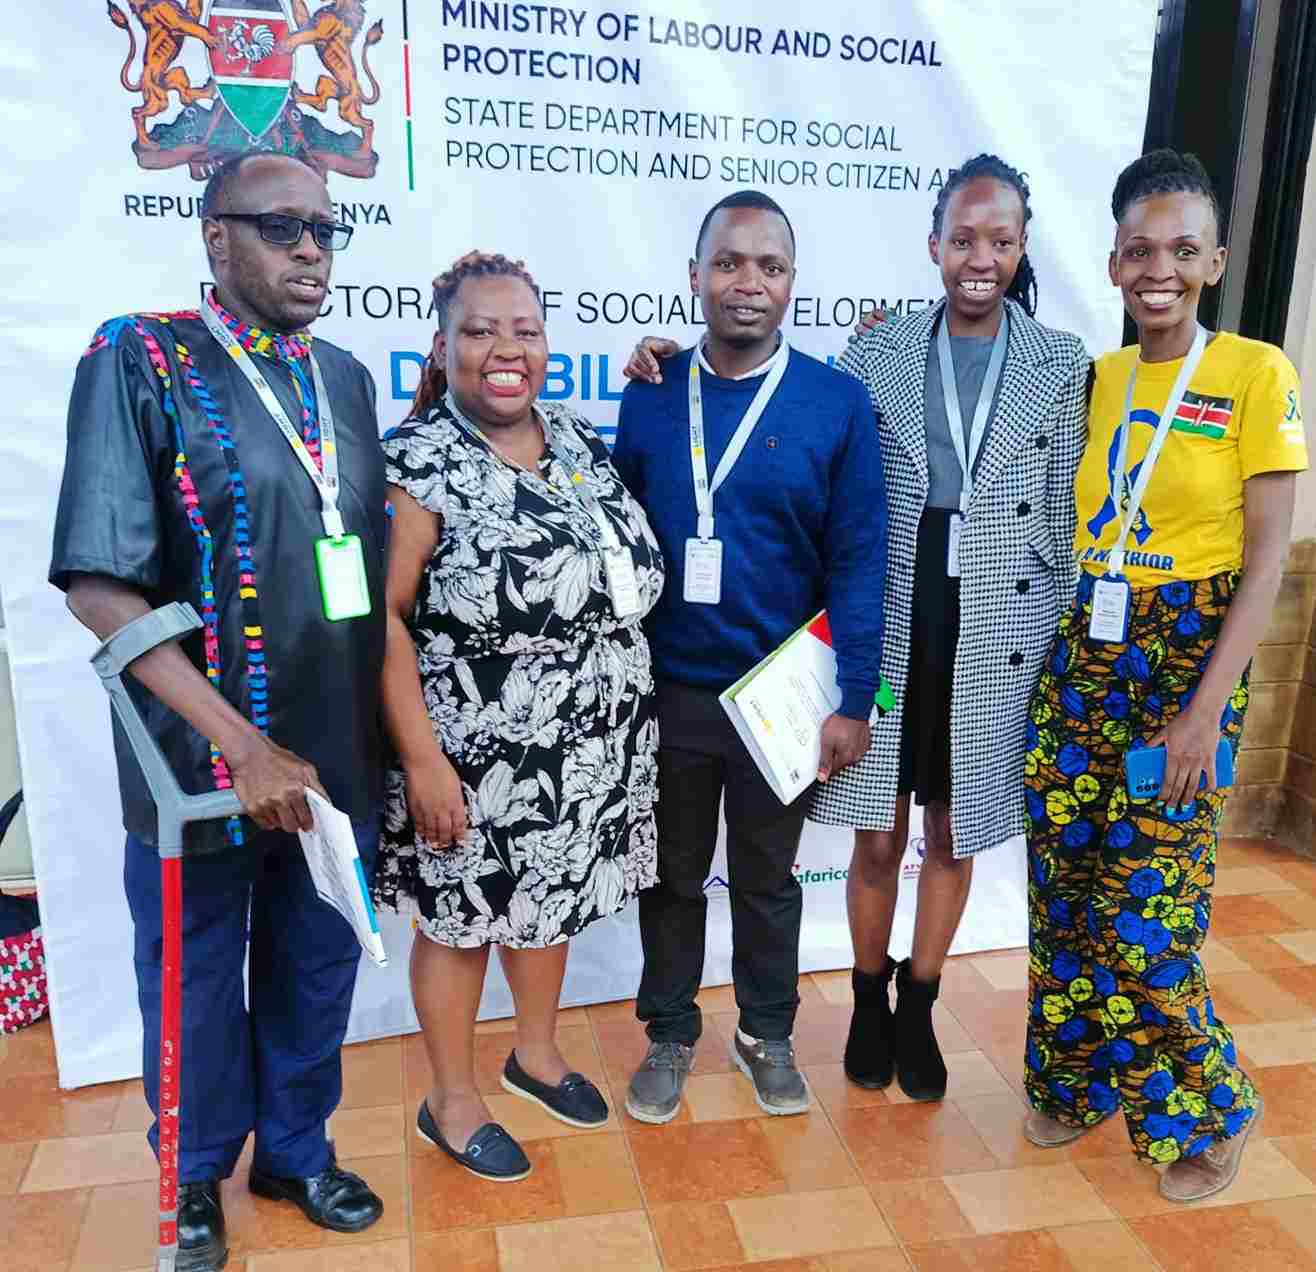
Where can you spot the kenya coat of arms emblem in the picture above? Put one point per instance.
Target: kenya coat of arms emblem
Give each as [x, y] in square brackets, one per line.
[250, 97]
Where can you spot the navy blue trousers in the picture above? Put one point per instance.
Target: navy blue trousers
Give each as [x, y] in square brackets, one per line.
[267, 1060]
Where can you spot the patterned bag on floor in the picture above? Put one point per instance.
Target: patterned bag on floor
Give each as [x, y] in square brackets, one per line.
[23, 997]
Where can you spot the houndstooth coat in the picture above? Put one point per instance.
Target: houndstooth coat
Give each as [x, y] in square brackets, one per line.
[1017, 567]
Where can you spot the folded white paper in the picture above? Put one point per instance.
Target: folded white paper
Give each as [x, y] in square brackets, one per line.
[340, 880]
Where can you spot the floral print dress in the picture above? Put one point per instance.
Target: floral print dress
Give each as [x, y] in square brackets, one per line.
[541, 697]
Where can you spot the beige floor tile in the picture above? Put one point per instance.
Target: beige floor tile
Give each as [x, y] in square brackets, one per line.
[713, 1097]
[696, 1234]
[921, 1210]
[835, 987]
[1253, 953]
[90, 1161]
[809, 1153]
[809, 1223]
[889, 1259]
[387, 1256]
[596, 1175]
[1004, 971]
[1233, 881]
[969, 1075]
[1292, 1042]
[39, 1231]
[367, 1132]
[119, 1229]
[372, 1074]
[134, 1114]
[1030, 1197]
[602, 1243]
[1301, 944]
[1255, 997]
[465, 1251]
[1102, 1247]
[1298, 1216]
[14, 1161]
[834, 1091]
[1300, 1150]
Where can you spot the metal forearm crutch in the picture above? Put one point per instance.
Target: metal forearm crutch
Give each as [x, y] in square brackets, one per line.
[173, 810]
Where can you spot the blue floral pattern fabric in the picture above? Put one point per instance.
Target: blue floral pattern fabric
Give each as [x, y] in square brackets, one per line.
[541, 697]
[1120, 1011]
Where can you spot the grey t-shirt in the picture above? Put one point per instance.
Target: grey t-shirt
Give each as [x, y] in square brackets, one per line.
[970, 354]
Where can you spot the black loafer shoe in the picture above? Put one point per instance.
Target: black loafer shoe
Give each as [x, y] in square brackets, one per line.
[575, 1100]
[334, 1199]
[201, 1243]
[490, 1153]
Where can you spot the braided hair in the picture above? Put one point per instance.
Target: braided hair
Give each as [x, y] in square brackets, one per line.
[433, 378]
[1023, 286]
[1164, 172]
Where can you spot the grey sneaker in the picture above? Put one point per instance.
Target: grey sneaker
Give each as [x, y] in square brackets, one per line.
[1211, 1171]
[654, 1094]
[779, 1086]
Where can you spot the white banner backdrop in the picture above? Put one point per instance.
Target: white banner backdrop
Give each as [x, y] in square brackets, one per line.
[589, 141]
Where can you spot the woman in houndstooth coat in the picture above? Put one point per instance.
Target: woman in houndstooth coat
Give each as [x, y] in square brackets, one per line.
[974, 593]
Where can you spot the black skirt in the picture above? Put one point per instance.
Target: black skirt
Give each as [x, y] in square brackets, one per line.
[934, 634]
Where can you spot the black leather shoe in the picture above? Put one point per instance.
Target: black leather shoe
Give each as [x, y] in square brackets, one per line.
[202, 1246]
[920, 1068]
[334, 1199]
[869, 1049]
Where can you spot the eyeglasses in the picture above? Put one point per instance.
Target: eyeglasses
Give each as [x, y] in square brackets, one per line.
[286, 230]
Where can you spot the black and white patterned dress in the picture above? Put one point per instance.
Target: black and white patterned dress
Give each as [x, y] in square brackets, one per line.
[541, 697]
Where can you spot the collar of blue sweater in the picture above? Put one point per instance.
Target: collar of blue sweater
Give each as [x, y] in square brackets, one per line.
[761, 369]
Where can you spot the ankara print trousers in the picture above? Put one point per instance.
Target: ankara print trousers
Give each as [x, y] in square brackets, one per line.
[1120, 1013]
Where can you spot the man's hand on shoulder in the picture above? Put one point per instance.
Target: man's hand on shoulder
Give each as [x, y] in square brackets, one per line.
[643, 362]
[844, 742]
[271, 783]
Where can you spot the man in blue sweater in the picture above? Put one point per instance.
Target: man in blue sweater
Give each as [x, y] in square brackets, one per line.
[761, 474]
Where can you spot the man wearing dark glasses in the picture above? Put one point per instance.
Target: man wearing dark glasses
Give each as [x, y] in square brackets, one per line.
[222, 457]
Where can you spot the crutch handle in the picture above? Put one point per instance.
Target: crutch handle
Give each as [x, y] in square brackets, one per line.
[172, 808]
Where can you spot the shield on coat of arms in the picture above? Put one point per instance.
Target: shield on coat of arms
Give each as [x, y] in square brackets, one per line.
[252, 73]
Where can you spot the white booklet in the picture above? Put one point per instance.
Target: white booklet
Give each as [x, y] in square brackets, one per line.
[778, 707]
[336, 870]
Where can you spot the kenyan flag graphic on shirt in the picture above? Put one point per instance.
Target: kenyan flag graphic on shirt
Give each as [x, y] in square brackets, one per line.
[1203, 416]
[252, 72]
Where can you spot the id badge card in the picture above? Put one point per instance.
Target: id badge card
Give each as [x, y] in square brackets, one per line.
[953, 545]
[703, 571]
[341, 567]
[1112, 598]
[623, 587]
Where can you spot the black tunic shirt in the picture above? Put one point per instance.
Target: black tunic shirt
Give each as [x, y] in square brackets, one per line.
[178, 482]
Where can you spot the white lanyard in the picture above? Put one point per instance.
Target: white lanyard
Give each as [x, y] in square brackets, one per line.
[579, 483]
[326, 482]
[967, 452]
[1128, 512]
[704, 491]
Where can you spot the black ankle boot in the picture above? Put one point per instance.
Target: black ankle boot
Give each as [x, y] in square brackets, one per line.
[868, 1050]
[919, 1067]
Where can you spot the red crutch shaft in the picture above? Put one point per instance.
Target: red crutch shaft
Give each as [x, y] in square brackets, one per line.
[171, 1029]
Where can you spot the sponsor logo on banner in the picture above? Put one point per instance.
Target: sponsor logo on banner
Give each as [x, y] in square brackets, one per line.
[196, 114]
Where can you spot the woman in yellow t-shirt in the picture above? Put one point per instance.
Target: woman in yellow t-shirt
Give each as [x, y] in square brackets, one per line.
[1185, 500]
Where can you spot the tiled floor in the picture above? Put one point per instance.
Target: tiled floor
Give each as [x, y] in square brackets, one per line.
[866, 1183]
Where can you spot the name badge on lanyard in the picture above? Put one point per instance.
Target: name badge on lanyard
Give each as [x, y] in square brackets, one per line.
[703, 554]
[618, 564]
[340, 565]
[1112, 595]
[967, 449]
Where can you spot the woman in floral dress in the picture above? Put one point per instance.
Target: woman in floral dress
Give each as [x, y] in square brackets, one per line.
[519, 698]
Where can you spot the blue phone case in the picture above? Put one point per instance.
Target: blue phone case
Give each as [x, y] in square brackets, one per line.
[1144, 769]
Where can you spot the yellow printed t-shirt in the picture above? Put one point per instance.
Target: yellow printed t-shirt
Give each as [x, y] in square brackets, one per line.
[1241, 416]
